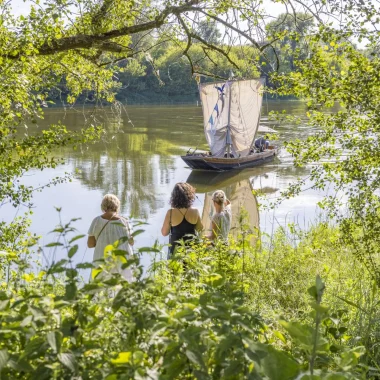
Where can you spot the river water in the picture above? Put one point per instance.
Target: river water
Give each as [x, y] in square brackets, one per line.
[139, 160]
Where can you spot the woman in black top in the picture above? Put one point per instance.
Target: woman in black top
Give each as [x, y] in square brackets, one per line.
[182, 220]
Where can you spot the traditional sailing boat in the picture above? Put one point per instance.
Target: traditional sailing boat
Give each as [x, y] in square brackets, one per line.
[231, 113]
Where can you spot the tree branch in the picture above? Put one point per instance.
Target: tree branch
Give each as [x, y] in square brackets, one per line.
[191, 34]
[88, 41]
[230, 26]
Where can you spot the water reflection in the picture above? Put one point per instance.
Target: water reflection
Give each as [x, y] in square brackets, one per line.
[238, 186]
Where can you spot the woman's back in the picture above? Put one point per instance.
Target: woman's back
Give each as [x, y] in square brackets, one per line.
[183, 224]
[222, 221]
[107, 232]
[179, 214]
[181, 219]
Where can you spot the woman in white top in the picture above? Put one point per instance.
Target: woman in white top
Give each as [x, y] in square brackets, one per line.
[221, 220]
[108, 228]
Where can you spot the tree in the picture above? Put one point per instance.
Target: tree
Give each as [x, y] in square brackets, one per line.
[209, 32]
[344, 153]
[290, 32]
[82, 45]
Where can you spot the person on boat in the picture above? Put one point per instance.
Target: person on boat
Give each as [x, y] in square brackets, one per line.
[221, 220]
[182, 220]
[108, 228]
[261, 144]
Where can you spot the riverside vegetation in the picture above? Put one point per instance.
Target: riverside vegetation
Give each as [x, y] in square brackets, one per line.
[237, 312]
[300, 309]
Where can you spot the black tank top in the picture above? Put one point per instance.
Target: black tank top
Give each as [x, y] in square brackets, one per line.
[179, 231]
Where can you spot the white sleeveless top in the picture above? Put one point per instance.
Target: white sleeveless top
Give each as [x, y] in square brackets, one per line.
[222, 221]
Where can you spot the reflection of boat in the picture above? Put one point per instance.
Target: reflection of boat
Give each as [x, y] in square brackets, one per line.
[242, 201]
[206, 181]
[231, 113]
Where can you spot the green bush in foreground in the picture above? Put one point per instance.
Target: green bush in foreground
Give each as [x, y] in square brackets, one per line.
[196, 318]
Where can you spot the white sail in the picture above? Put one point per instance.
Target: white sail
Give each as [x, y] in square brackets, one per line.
[231, 106]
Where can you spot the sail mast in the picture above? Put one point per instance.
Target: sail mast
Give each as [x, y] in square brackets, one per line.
[228, 136]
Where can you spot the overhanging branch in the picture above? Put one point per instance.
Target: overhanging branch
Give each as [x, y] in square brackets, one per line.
[88, 41]
[190, 34]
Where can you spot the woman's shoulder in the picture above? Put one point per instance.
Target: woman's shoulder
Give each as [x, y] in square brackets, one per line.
[99, 217]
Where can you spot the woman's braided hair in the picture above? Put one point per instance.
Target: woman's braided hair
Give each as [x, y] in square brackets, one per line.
[183, 195]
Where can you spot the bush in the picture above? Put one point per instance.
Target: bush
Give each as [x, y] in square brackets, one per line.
[194, 319]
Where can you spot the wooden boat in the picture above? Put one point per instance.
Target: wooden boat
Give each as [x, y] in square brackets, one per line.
[231, 113]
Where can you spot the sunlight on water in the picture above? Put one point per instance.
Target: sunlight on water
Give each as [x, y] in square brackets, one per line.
[139, 160]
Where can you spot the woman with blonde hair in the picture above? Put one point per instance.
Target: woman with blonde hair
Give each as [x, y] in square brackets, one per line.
[182, 220]
[108, 228]
[221, 220]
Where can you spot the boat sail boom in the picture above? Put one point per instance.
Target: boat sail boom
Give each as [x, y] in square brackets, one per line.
[231, 113]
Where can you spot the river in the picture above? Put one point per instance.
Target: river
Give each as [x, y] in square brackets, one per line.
[139, 161]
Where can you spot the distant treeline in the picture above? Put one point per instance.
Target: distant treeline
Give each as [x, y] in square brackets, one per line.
[162, 74]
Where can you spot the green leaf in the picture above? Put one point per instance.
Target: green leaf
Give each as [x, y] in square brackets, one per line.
[280, 336]
[215, 280]
[76, 238]
[185, 313]
[137, 232]
[4, 305]
[54, 339]
[68, 360]
[149, 249]
[138, 357]
[120, 252]
[3, 359]
[20, 365]
[175, 367]
[313, 292]
[73, 250]
[279, 366]
[71, 291]
[58, 267]
[304, 334]
[84, 265]
[195, 357]
[33, 347]
[54, 244]
[335, 376]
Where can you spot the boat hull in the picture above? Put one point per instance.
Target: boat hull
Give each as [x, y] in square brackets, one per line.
[204, 162]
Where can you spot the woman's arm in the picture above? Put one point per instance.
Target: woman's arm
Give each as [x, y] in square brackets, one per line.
[213, 234]
[166, 226]
[91, 242]
[199, 225]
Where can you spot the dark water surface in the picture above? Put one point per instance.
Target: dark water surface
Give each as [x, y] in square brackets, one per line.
[139, 161]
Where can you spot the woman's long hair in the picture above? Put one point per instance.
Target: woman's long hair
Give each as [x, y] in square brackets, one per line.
[183, 195]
